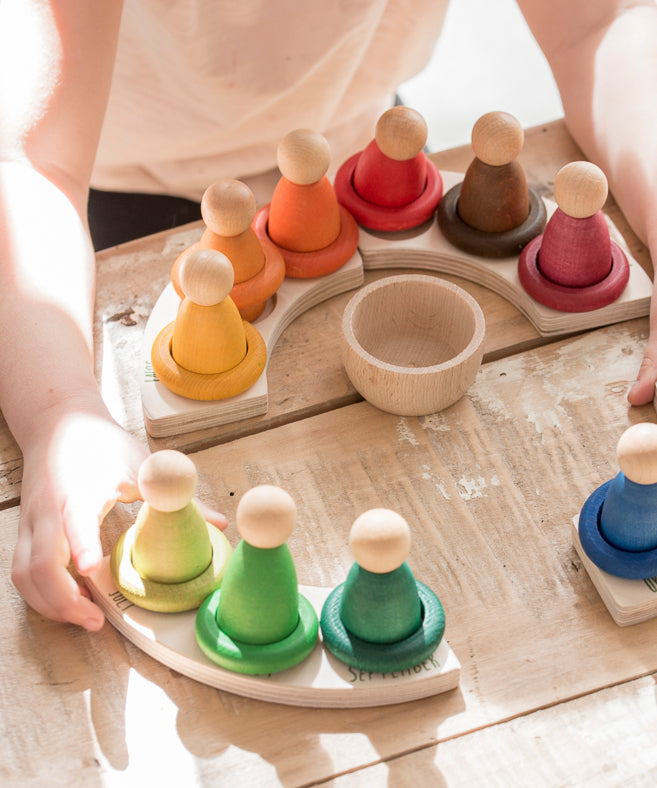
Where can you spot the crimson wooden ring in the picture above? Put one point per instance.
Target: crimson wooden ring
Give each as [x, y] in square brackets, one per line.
[485, 244]
[387, 218]
[307, 265]
[572, 299]
[220, 385]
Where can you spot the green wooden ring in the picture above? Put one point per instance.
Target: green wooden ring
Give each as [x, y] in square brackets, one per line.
[168, 597]
[248, 658]
[220, 385]
[383, 657]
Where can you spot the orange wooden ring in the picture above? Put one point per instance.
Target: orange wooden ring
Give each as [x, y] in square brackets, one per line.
[306, 265]
[251, 295]
[222, 385]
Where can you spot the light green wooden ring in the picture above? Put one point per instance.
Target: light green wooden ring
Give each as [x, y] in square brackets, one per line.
[255, 659]
[383, 657]
[168, 597]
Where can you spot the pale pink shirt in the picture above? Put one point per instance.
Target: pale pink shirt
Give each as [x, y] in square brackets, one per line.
[206, 89]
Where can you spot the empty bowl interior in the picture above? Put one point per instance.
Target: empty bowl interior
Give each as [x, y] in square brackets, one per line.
[413, 323]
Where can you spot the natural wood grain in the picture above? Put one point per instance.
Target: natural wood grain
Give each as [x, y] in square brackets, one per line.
[607, 739]
[488, 488]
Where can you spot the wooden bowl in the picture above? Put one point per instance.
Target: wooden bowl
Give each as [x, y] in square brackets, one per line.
[412, 345]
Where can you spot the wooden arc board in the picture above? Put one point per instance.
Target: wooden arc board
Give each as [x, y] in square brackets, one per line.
[427, 249]
[166, 413]
[628, 601]
[320, 681]
[431, 251]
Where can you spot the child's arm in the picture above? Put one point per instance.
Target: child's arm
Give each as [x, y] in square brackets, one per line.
[604, 59]
[56, 61]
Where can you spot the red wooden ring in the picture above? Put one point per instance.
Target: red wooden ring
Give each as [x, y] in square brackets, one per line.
[307, 265]
[385, 218]
[572, 299]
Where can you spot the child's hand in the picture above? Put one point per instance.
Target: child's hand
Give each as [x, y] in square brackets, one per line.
[76, 468]
[643, 390]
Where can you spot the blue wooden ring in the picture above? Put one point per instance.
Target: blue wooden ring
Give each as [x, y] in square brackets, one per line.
[383, 657]
[255, 659]
[621, 563]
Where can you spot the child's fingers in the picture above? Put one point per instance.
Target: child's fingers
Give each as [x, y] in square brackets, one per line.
[81, 526]
[213, 517]
[40, 574]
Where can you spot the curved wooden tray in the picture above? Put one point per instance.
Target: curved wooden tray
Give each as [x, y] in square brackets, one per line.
[425, 249]
[320, 681]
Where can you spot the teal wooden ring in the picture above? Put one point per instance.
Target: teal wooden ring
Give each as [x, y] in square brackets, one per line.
[638, 565]
[383, 657]
[247, 657]
[168, 597]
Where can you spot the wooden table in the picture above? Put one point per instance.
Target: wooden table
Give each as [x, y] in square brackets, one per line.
[552, 692]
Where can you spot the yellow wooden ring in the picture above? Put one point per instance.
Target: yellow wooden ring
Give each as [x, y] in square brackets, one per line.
[168, 597]
[221, 385]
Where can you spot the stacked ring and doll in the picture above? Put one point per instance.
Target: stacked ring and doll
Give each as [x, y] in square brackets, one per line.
[236, 617]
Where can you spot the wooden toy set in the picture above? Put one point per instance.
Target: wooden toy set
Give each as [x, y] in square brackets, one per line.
[563, 265]
[412, 345]
[237, 619]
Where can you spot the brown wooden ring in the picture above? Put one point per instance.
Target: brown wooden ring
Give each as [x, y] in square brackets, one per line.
[572, 299]
[493, 245]
[307, 265]
[382, 217]
[251, 296]
[198, 386]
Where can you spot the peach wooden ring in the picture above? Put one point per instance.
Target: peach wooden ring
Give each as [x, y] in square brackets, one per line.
[251, 295]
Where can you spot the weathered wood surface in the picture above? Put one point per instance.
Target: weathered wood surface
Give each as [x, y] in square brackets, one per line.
[605, 739]
[489, 487]
[305, 373]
